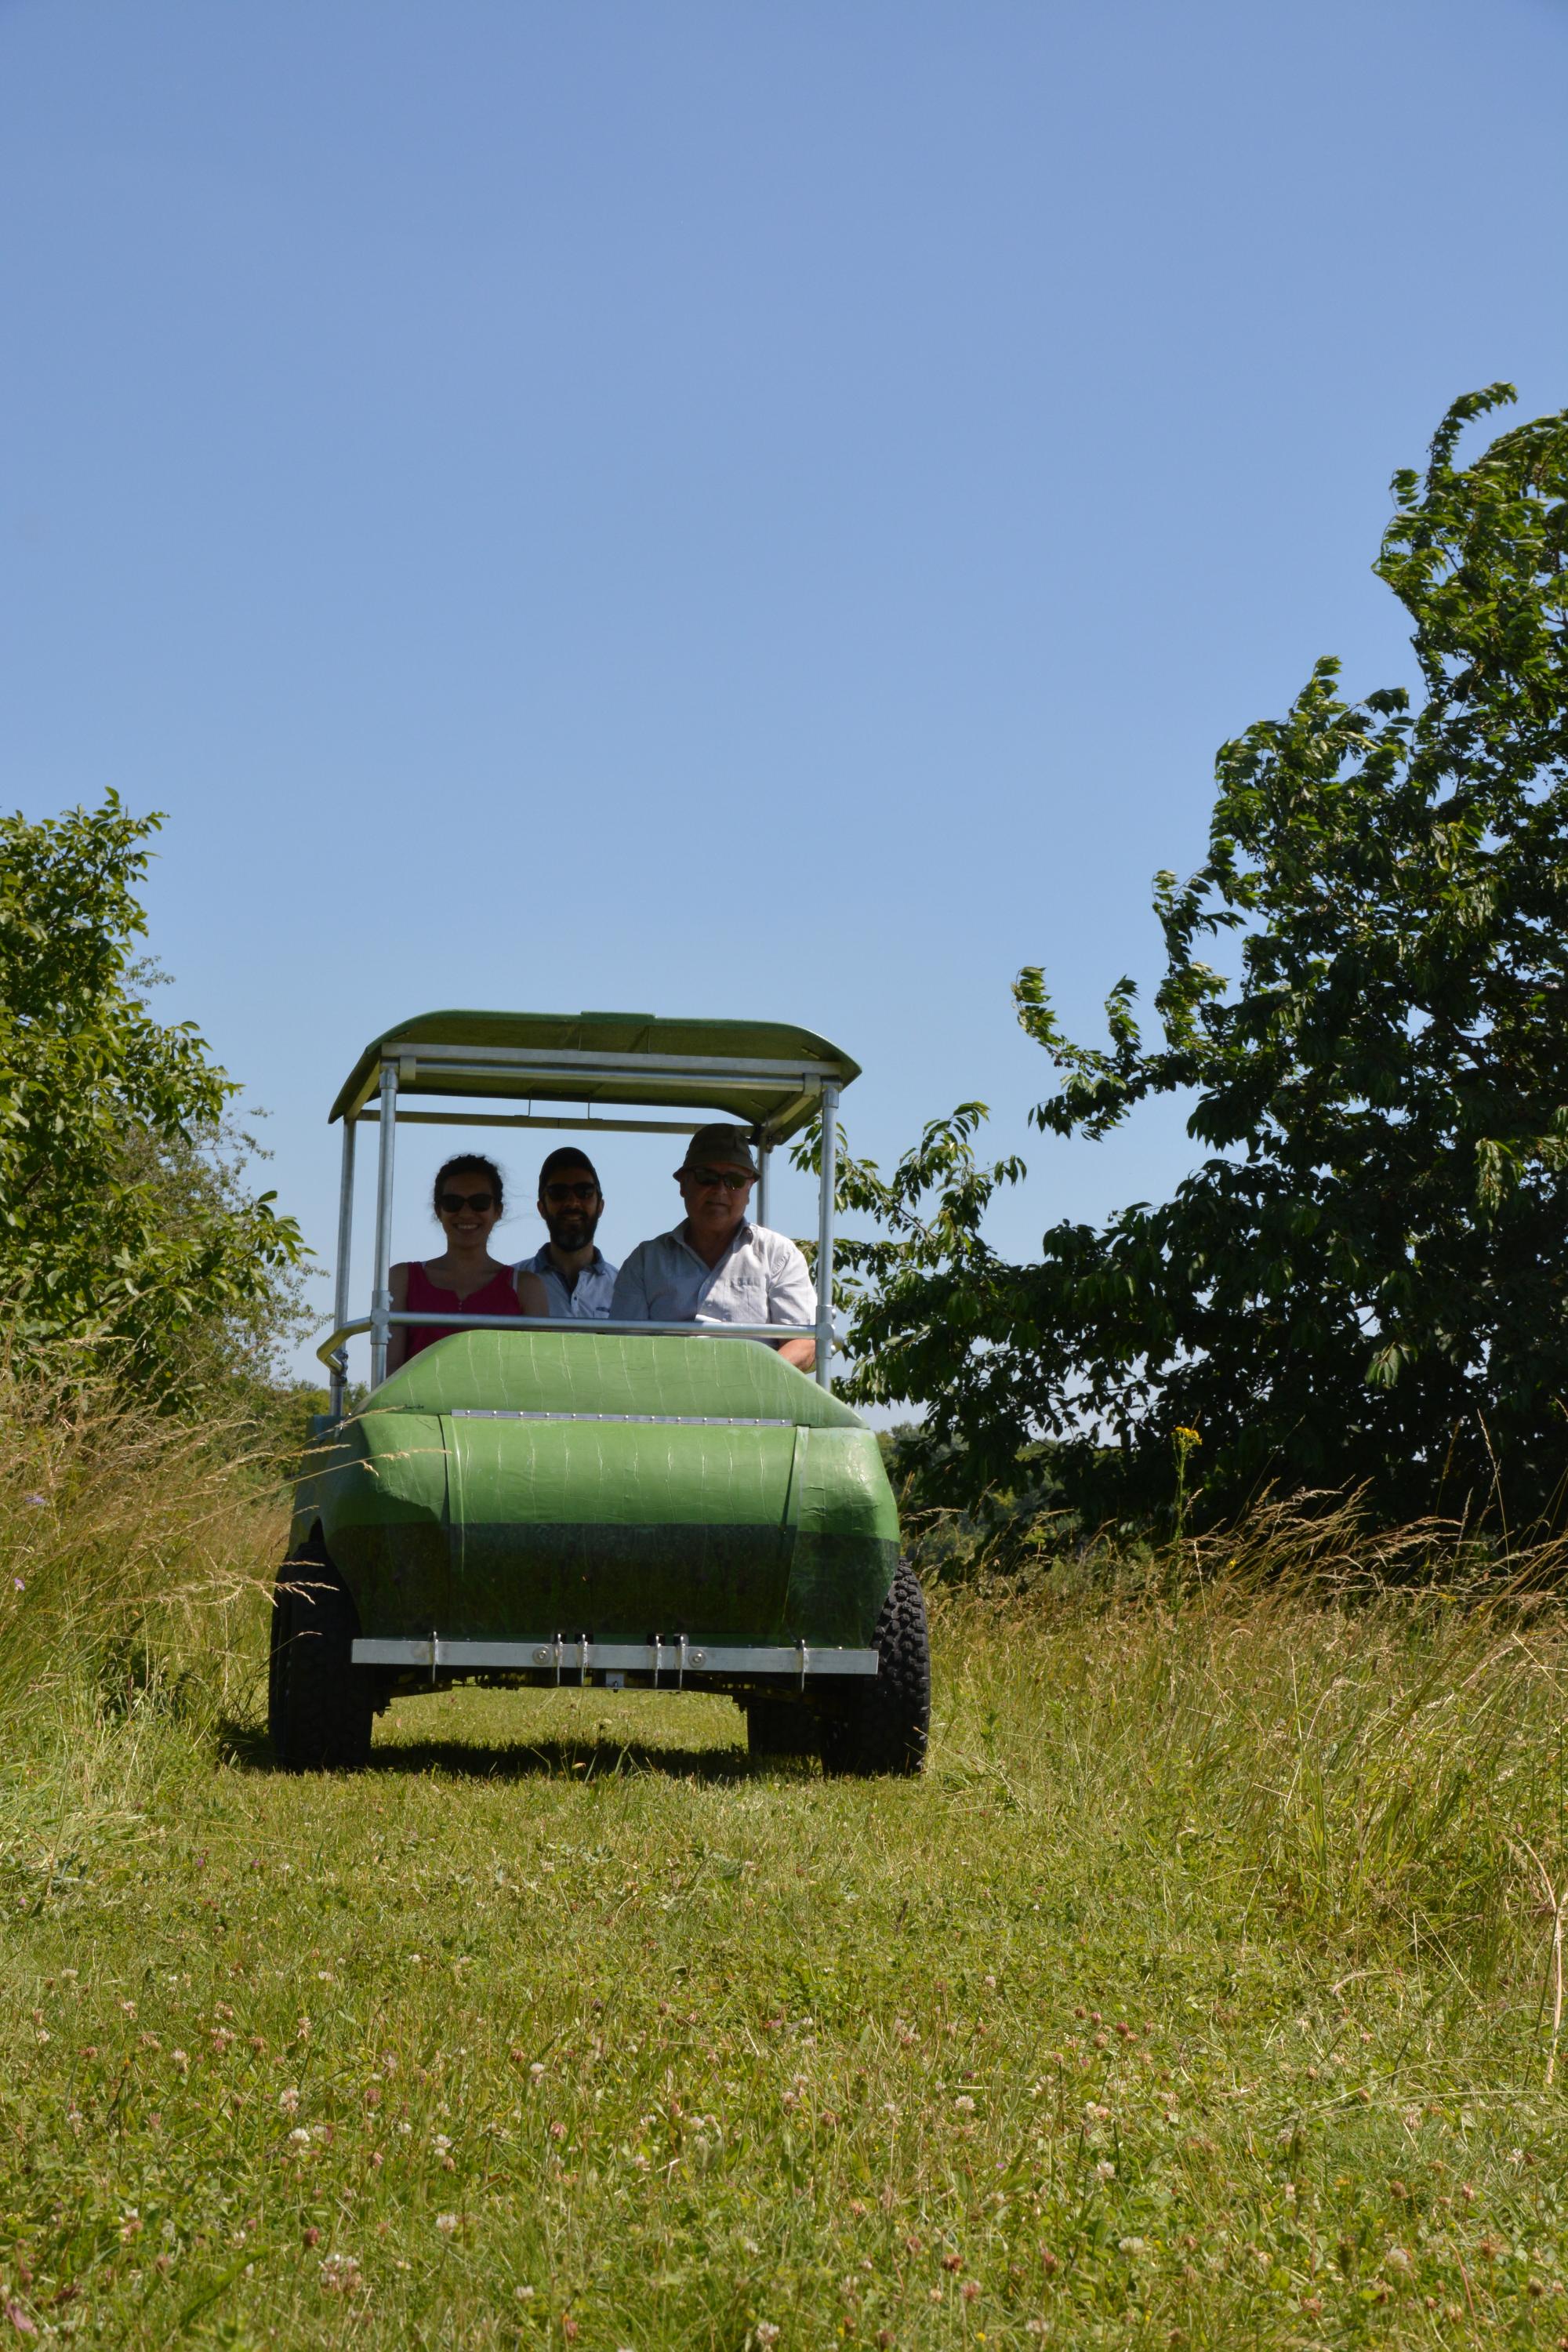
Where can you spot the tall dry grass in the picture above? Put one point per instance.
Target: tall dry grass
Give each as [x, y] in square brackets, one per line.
[133, 1553]
[1359, 1733]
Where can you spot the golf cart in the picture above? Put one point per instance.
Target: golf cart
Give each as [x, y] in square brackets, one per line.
[628, 1506]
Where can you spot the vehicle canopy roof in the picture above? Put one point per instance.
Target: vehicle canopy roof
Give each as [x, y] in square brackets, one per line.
[762, 1074]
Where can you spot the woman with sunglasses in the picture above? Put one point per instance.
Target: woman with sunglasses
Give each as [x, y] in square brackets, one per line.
[469, 1201]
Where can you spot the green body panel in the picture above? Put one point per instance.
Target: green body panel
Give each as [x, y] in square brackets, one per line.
[774, 1523]
[579, 1369]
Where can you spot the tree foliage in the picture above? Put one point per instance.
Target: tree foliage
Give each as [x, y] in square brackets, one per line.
[126, 1223]
[1366, 1281]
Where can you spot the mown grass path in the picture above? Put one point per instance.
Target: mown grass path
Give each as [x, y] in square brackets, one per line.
[1139, 2019]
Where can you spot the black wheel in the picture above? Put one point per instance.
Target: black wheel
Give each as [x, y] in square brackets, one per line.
[320, 1705]
[883, 1726]
[779, 1726]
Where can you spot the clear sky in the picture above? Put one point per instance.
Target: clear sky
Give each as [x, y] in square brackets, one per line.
[721, 508]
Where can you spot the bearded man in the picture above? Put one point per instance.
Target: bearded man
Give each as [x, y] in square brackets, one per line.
[578, 1280]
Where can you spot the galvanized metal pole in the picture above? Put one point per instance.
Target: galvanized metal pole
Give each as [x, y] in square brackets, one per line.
[345, 1233]
[763, 1151]
[381, 1297]
[825, 1236]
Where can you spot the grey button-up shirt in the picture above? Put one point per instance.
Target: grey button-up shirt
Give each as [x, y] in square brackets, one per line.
[761, 1278]
[589, 1300]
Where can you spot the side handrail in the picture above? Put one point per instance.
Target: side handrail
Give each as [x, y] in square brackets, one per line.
[332, 1353]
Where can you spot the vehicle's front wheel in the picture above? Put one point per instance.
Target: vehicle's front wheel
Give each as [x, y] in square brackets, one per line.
[883, 1725]
[320, 1705]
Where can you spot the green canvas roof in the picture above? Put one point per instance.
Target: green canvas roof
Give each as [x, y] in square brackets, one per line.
[608, 1057]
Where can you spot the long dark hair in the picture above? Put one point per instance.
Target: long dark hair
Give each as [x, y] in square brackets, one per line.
[467, 1163]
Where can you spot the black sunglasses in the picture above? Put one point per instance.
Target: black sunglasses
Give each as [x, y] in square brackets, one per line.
[452, 1204]
[712, 1180]
[561, 1193]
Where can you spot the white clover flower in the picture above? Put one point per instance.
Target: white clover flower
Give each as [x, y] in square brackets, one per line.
[289, 2102]
[446, 2223]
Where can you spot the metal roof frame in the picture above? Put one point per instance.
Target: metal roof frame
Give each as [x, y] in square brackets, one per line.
[767, 1076]
[763, 1075]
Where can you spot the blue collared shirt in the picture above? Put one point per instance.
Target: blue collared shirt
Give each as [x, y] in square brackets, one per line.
[589, 1300]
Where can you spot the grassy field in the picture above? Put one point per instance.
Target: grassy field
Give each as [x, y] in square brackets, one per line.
[1202, 1993]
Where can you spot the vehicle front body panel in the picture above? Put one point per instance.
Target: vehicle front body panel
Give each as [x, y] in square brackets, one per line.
[521, 1487]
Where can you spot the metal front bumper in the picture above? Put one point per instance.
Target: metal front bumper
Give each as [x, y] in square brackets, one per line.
[667, 1666]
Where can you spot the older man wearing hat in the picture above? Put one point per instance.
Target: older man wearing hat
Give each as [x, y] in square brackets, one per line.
[715, 1266]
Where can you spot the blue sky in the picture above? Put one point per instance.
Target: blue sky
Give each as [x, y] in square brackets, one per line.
[727, 509]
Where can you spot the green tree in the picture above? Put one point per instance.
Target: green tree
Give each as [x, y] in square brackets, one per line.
[1366, 1281]
[126, 1224]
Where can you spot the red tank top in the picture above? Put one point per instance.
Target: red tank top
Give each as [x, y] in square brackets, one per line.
[499, 1296]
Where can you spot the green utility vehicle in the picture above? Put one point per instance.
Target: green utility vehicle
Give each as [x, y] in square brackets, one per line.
[630, 1505]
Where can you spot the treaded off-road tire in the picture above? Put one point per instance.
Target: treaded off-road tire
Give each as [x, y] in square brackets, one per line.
[778, 1727]
[883, 1725]
[320, 1705]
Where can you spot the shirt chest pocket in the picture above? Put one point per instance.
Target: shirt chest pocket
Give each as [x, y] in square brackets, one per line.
[742, 1299]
